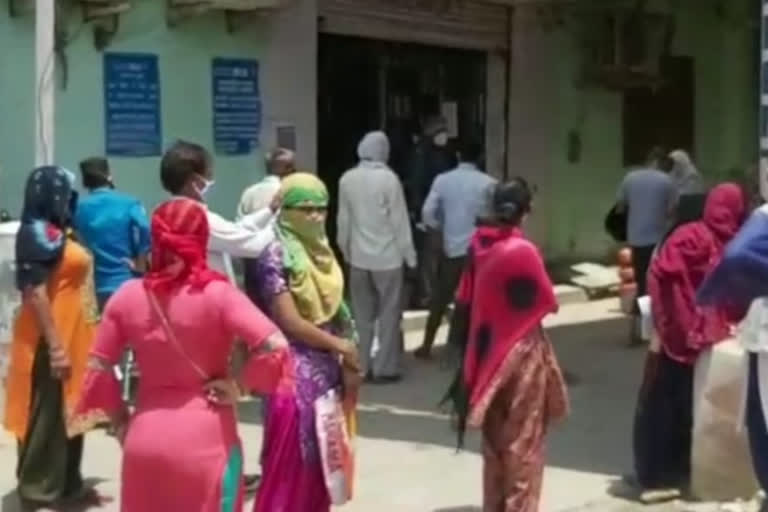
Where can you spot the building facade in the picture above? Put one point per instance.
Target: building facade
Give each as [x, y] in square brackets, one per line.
[513, 72]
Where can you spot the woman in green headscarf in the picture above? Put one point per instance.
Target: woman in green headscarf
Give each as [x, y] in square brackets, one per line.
[300, 283]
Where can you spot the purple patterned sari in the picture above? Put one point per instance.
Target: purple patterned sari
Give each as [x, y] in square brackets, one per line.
[292, 473]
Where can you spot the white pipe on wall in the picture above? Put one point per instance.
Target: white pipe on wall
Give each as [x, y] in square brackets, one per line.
[45, 65]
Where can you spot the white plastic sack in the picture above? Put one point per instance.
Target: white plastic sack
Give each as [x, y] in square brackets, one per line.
[646, 317]
[336, 449]
[721, 461]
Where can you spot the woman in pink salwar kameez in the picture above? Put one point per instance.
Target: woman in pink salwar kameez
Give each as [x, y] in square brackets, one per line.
[181, 450]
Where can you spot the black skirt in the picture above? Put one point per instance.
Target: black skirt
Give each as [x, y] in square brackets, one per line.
[664, 424]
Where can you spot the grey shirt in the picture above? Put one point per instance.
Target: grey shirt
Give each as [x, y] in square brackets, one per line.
[649, 195]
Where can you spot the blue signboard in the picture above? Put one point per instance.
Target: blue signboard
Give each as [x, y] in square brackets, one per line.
[236, 106]
[132, 105]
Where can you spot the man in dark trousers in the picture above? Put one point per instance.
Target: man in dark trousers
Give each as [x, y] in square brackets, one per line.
[457, 199]
[431, 157]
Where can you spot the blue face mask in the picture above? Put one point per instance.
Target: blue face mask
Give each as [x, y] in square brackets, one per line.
[205, 188]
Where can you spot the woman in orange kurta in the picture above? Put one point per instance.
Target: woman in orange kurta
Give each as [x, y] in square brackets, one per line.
[51, 341]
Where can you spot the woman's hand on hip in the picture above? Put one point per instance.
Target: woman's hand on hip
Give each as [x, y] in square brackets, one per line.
[222, 392]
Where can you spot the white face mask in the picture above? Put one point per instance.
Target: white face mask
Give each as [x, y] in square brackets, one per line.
[205, 188]
[441, 139]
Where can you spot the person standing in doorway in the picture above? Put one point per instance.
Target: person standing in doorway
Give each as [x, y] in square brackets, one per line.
[374, 236]
[455, 202]
[113, 226]
[431, 157]
[280, 163]
[649, 198]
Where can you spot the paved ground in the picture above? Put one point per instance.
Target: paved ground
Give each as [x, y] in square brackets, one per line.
[407, 460]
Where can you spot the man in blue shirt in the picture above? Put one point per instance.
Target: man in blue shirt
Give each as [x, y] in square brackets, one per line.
[455, 202]
[115, 228]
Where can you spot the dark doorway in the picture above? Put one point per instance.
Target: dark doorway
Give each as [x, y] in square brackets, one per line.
[663, 116]
[366, 84]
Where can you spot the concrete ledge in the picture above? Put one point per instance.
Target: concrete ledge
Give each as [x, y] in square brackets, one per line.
[568, 294]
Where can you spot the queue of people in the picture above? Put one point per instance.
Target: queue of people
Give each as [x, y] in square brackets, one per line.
[165, 292]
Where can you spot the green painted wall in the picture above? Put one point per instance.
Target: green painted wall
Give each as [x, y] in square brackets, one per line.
[185, 55]
[725, 125]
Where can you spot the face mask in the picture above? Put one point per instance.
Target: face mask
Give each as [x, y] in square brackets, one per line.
[311, 227]
[205, 188]
[441, 139]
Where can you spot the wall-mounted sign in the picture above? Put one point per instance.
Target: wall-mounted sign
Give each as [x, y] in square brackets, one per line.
[286, 136]
[236, 106]
[132, 105]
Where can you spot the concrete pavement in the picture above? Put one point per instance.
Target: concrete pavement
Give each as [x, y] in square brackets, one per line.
[407, 460]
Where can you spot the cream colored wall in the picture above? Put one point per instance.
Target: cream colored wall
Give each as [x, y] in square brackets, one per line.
[547, 105]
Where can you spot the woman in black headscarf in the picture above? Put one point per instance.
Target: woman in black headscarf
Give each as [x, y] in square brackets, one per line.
[51, 340]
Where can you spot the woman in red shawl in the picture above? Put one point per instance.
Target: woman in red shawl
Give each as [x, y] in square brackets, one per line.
[181, 451]
[664, 418]
[510, 384]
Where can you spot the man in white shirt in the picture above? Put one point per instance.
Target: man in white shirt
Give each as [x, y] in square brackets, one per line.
[455, 202]
[186, 171]
[374, 235]
[279, 163]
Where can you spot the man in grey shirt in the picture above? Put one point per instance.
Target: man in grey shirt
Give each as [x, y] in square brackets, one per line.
[648, 196]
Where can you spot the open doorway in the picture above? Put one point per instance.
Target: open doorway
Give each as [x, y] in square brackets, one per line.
[366, 84]
[663, 116]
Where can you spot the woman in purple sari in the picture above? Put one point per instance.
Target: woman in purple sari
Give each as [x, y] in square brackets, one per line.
[299, 282]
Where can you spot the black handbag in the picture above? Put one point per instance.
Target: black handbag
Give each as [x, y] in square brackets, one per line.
[616, 224]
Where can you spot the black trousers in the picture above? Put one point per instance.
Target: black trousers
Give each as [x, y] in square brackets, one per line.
[641, 261]
[429, 249]
[448, 276]
[664, 424]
